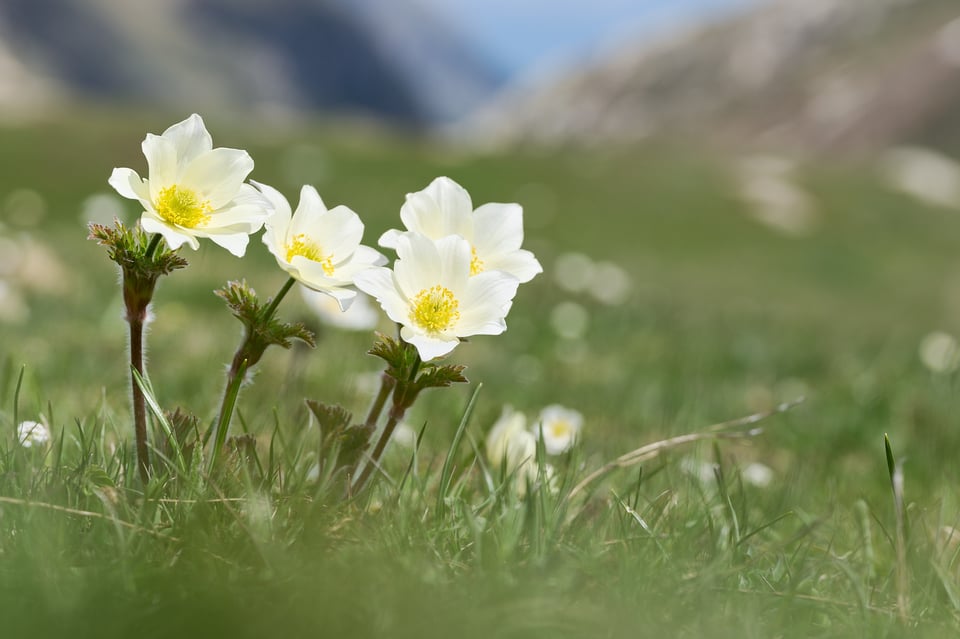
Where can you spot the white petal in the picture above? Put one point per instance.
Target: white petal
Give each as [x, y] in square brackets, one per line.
[450, 197]
[129, 184]
[190, 138]
[418, 266]
[497, 229]
[390, 239]
[363, 258]
[521, 264]
[428, 346]
[277, 222]
[454, 252]
[485, 303]
[309, 198]
[175, 239]
[218, 174]
[441, 209]
[161, 162]
[236, 243]
[379, 283]
[337, 232]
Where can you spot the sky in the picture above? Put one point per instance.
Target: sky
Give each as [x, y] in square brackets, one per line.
[522, 36]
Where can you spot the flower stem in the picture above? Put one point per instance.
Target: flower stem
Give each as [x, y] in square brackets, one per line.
[139, 403]
[152, 247]
[387, 384]
[234, 381]
[272, 307]
[248, 354]
[404, 395]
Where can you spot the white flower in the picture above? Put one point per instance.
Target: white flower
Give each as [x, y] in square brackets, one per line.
[494, 231]
[361, 316]
[559, 427]
[194, 190]
[320, 248]
[503, 431]
[940, 352]
[431, 294]
[31, 434]
[757, 474]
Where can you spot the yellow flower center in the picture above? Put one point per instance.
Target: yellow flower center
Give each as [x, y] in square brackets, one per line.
[435, 309]
[181, 206]
[476, 264]
[302, 246]
[560, 428]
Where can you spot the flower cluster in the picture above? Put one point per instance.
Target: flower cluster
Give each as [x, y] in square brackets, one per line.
[456, 273]
[457, 269]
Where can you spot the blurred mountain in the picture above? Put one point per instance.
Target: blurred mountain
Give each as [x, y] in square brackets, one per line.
[809, 74]
[373, 57]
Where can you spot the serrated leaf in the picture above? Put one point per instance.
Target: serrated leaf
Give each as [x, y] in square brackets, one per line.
[398, 355]
[329, 418]
[440, 376]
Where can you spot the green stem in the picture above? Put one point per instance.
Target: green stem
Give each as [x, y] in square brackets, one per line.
[402, 400]
[387, 385]
[242, 360]
[272, 307]
[152, 247]
[139, 403]
[226, 410]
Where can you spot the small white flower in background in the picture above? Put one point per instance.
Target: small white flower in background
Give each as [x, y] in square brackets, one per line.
[559, 427]
[101, 208]
[431, 293]
[319, 247]
[569, 320]
[404, 436]
[494, 231]
[574, 272]
[194, 190]
[362, 315]
[31, 434]
[699, 470]
[757, 474]
[610, 284]
[940, 352]
[503, 431]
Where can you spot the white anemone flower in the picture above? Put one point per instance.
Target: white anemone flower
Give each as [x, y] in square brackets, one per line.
[494, 231]
[559, 427]
[31, 434]
[194, 190]
[431, 294]
[319, 247]
[502, 433]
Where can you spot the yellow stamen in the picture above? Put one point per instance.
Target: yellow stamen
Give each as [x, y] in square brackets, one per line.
[181, 206]
[560, 428]
[435, 309]
[476, 264]
[302, 246]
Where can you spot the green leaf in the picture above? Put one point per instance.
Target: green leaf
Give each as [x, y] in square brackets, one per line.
[339, 437]
[440, 376]
[398, 355]
[330, 418]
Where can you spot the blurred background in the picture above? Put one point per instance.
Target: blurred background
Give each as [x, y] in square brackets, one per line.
[735, 202]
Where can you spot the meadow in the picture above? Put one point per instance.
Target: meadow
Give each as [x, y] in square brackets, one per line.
[714, 315]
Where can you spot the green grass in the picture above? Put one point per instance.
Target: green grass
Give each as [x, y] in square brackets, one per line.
[725, 317]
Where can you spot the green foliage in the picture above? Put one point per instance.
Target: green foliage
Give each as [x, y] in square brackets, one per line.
[725, 317]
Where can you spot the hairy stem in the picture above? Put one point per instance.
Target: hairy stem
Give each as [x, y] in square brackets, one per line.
[247, 355]
[404, 395]
[139, 403]
[387, 385]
